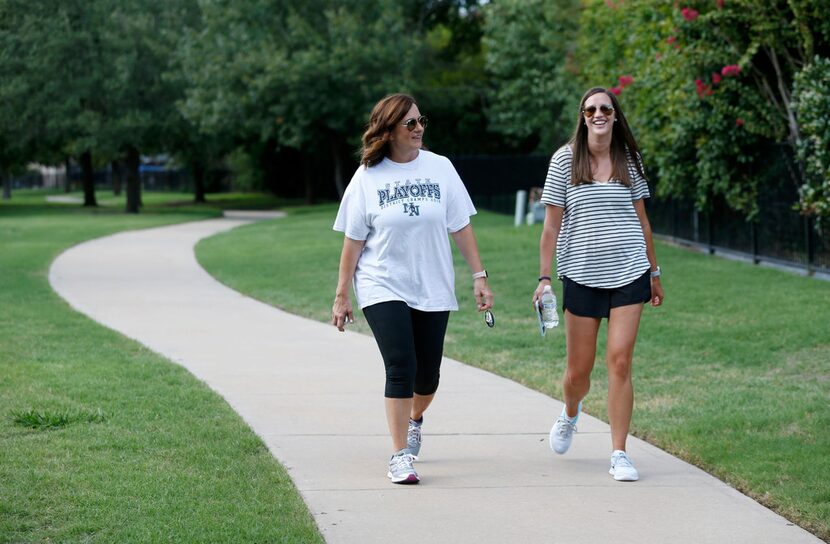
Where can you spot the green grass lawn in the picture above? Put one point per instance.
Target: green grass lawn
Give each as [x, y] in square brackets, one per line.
[102, 440]
[731, 374]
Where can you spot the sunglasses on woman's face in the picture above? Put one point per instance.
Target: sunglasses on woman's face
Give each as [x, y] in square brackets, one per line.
[589, 111]
[412, 122]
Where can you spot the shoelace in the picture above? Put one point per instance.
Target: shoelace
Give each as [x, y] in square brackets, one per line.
[402, 461]
[622, 460]
[414, 434]
[566, 428]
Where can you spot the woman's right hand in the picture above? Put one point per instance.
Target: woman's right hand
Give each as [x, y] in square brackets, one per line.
[537, 294]
[341, 312]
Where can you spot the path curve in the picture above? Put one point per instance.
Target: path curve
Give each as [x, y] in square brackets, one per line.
[314, 396]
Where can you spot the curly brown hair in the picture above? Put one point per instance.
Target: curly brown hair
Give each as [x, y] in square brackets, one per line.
[624, 149]
[387, 113]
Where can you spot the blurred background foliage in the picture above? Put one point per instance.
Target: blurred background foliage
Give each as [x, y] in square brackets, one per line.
[275, 93]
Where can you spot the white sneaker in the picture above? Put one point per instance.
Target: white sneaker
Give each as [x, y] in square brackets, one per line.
[563, 430]
[401, 470]
[413, 438]
[622, 469]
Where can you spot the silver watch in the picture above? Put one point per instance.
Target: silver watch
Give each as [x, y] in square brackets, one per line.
[656, 273]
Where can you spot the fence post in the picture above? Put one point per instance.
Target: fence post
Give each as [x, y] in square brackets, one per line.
[809, 246]
[753, 235]
[696, 225]
[521, 200]
[710, 233]
[673, 218]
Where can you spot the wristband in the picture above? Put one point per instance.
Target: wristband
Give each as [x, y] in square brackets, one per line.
[656, 273]
[544, 278]
[482, 274]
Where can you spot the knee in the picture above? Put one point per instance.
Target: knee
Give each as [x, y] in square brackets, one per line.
[619, 366]
[578, 379]
[426, 385]
[400, 375]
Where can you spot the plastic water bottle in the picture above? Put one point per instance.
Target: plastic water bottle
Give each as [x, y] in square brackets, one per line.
[549, 315]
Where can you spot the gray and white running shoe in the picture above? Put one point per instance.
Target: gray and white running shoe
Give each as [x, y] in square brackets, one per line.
[413, 437]
[401, 470]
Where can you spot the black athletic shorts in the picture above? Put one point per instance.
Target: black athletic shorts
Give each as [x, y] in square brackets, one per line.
[587, 301]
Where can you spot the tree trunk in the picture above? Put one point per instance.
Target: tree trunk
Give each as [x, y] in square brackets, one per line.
[133, 181]
[67, 182]
[88, 180]
[272, 175]
[198, 170]
[7, 185]
[117, 178]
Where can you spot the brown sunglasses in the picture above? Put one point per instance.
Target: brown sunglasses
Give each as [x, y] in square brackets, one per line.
[412, 122]
[606, 109]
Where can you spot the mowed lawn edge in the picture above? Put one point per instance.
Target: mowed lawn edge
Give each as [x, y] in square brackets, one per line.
[102, 440]
[731, 374]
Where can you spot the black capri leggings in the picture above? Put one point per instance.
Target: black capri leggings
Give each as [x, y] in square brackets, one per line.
[411, 343]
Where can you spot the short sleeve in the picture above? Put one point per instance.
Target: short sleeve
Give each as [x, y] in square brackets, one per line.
[459, 205]
[639, 185]
[559, 175]
[351, 217]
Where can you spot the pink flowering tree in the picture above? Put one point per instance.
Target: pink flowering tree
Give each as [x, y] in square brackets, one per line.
[712, 87]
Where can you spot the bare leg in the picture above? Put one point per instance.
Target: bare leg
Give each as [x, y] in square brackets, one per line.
[420, 404]
[582, 349]
[397, 416]
[622, 334]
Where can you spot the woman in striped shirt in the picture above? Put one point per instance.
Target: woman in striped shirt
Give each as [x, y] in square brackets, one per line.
[596, 221]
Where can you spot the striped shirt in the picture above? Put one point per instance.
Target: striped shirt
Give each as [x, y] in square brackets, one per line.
[601, 242]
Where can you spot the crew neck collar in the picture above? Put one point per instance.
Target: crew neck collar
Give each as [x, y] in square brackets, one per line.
[411, 165]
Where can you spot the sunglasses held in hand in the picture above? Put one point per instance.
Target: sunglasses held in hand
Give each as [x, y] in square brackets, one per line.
[589, 111]
[412, 122]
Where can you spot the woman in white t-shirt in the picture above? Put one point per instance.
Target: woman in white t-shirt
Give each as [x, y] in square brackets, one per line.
[596, 221]
[395, 215]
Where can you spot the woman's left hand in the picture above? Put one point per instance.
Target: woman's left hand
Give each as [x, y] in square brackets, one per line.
[656, 292]
[483, 294]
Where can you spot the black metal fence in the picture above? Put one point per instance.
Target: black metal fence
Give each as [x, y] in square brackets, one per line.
[492, 181]
[778, 234]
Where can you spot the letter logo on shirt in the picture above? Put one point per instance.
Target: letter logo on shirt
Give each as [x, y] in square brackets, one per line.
[407, 193]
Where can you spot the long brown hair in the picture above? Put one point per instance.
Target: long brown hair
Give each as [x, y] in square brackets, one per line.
[624, 149]
[387, 113]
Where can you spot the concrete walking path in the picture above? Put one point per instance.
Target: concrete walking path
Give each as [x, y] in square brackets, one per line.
[314, 396]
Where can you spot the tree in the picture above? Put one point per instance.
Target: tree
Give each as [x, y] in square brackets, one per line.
[85, 79]
[139, 113]
[708, 84]
[30, 41]
[301, 76]
[533, 90]
[811, 102]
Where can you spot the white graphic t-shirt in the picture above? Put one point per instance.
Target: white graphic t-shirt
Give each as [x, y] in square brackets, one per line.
[404, 211]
